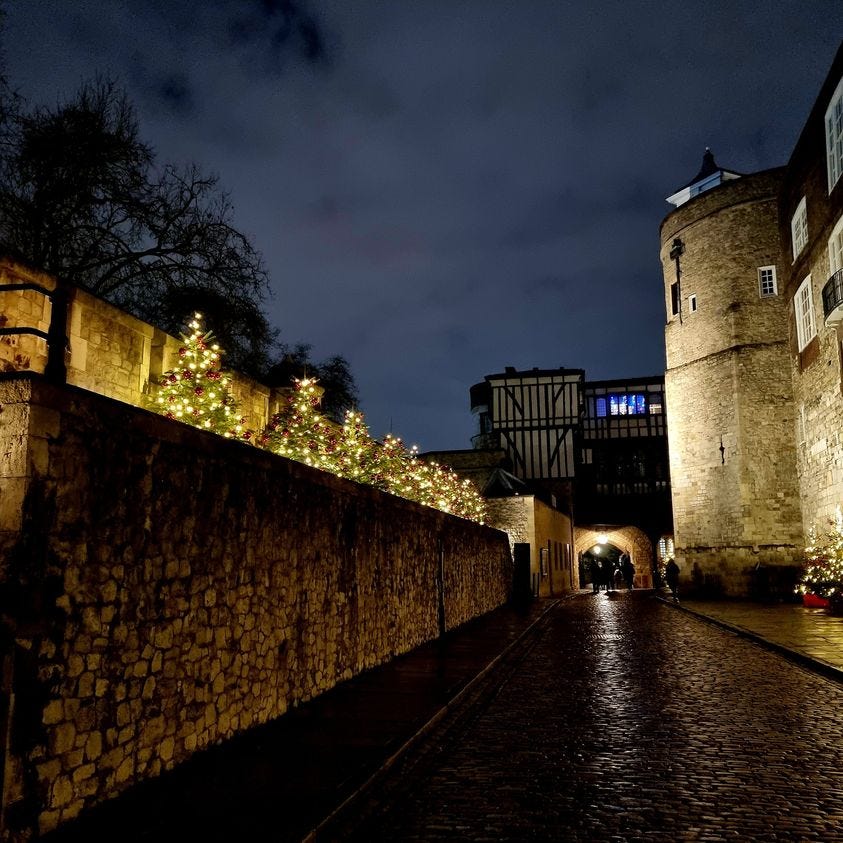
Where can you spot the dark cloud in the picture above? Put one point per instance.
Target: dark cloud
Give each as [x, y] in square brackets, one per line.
[279, 27]
[470, 185]
[175, 91]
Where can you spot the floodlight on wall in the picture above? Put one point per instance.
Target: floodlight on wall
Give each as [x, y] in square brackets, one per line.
[602, 539]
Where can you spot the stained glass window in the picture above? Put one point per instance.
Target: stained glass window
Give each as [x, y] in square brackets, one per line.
[631, 404]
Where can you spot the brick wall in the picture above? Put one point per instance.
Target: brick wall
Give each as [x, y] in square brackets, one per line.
[167, 588]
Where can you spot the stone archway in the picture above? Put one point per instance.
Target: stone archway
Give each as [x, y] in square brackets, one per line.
[629, 540]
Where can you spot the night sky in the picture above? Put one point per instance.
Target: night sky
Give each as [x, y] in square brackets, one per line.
[442, 189]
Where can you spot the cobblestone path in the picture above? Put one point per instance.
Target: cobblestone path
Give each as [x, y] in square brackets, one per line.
[629, 720]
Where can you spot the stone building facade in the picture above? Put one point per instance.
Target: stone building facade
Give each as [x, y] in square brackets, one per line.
[753, 381]
[812, 286]
[108, 351]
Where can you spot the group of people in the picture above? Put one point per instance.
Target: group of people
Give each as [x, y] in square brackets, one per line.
[608, 576]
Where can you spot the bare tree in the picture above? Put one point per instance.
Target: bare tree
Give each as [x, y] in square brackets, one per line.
[81, 196]
[333, 374]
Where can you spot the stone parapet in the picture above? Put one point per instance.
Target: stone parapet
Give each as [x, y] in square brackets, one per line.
[109, 351]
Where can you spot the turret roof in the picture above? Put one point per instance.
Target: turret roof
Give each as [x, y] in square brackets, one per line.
[710, 175]
[708, 168]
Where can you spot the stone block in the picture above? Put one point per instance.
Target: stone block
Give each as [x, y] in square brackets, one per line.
[61, 792]
[93, 746]
[53, 712]
[63, 737]
[125, 771]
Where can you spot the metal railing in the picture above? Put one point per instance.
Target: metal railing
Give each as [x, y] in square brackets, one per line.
[833, 293]
[55, 336]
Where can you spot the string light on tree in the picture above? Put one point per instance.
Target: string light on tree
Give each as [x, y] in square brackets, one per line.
[302, 433]
[822, 571]
[197, 392]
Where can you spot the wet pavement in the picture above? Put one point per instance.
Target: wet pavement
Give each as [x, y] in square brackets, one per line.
[280, 781]
[811, 636]
[602, 717]
[629, 720]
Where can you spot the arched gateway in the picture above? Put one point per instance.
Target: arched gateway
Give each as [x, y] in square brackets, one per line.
[617, 540]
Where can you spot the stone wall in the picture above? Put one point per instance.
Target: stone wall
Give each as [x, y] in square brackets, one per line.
[165, 588]
[110, 352]
[728, 391]
[818, 371]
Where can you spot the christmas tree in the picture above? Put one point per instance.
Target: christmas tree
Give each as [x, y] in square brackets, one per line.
[197, 392]
[301, 432]
[822, 571]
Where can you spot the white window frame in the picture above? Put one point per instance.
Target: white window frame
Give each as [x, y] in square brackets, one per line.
[803, 311]
[692, 303]
[834, 136]
[835, 247]
[775, 290]
[799, 228]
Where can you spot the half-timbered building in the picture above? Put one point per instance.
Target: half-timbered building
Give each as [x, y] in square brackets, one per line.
[599, 448]
[534, 416]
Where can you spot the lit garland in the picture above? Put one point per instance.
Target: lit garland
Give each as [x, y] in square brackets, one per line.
[822, 571]
[197, 392]
[300, 432]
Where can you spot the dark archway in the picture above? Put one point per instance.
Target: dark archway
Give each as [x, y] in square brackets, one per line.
[603, 554]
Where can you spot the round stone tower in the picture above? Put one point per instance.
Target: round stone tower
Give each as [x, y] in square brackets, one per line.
[727, 385]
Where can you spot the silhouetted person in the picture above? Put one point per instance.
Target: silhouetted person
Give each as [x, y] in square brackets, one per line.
[672, 577]
[628, 570]
[606, 570]
[594, 570]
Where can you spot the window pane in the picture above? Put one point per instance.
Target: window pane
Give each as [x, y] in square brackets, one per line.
[799, 228]
[834, 139]
[632, 404]
[804, 313]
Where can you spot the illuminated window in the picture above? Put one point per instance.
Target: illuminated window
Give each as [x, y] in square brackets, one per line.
[654, 405]
[631, 404]
[834, 136]
[803, 309]
[666, 549]
[799, 228]
[601, 408]
[767, 281]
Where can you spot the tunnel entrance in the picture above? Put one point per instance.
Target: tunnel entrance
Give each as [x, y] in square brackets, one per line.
[599, 562]
[610, 542]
